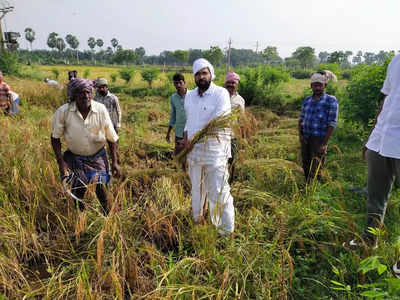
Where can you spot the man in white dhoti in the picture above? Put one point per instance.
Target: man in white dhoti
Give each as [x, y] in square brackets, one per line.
[208, 159]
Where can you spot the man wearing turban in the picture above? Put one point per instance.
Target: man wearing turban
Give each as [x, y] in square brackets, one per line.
[318, 118]
[86, 127]
[208, 159]
[231, 84]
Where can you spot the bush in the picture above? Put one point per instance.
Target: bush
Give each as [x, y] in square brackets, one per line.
[55, 72]
[86, 73]
[113, 77]
[149, 75]
[346, 74]
[301, 73]
[9, 64]
[260, 86]
[126, 74]
[362, 95]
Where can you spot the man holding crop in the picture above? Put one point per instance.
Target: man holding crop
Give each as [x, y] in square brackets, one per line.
[318, 118]
[382, 153]
[85, 126]
[5, 96]
[208, 158]
[177, 116]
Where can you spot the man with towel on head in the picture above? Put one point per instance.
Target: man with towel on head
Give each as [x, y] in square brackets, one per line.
[318, 118]
[231, 84]
[85, 126]
[208, 160]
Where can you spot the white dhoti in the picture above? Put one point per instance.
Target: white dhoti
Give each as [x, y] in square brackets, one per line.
[209, 176]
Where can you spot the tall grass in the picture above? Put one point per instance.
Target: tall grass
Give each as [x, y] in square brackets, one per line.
[287, 237]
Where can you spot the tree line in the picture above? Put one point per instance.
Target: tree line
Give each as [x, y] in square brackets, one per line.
[65, 51]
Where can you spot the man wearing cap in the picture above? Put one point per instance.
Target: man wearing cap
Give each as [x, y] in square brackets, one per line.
[317, 121]
[85, 126]
[237, 101]
[110, 101]
[208, 159]
[177, 115]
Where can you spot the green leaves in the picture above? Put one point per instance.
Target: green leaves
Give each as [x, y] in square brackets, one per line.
[372, 263]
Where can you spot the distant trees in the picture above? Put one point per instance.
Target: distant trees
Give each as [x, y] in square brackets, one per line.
[214, 55]
[29, 36]
[99, 43]
[140, 53]
[323, 57]
[73, 43]
[305, 56]
[181, 55]
[92, 43]
[60, 44]
[52, 40]
[114, 43]
[271, 56]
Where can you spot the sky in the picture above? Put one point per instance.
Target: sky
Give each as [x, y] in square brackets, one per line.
[158, 25]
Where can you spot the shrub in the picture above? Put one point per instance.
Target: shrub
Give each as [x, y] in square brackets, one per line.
[260, 86]
[301, 73]
[86, 73]
[331, 67]
[362, 95]
[113, 77]
[9, 64]
[150, 75]
[55, 72]
[126, 74]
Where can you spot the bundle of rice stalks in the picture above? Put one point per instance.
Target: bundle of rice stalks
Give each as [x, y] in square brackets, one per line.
[211, 130]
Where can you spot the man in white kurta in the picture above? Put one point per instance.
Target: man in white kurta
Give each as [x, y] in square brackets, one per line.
[208, 159]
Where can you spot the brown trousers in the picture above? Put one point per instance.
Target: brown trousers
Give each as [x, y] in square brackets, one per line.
[312, 159]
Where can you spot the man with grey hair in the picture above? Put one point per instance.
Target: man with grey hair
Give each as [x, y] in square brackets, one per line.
[85, 126]
[208, 159]
[318, 118]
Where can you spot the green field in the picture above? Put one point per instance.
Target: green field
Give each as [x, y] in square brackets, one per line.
[288, 236]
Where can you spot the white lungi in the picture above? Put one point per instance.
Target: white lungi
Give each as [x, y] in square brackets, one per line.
[209, 176]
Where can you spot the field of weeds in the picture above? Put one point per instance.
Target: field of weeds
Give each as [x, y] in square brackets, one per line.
[288, 236]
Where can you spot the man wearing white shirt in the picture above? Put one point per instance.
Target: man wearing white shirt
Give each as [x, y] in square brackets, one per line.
[208, 159]
[382, 153]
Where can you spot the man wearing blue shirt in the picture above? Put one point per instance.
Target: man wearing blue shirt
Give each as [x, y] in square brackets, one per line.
[178, 116]
[317, 121]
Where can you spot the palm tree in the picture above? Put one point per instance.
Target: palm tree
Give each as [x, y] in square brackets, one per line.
[114, 43]
[92, 43]
[73, 43]
[29, 36]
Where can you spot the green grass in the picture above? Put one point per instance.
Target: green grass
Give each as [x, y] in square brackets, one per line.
[288, 236]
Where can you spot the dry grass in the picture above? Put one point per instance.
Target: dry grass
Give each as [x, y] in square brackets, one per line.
[148, 246]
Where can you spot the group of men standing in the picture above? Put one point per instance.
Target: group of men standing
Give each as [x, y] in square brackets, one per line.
[207, 161]
[87, 125]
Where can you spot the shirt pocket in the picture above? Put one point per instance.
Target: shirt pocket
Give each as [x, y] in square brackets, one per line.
[95, 129]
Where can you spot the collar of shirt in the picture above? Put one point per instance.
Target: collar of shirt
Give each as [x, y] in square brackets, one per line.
[323, 96]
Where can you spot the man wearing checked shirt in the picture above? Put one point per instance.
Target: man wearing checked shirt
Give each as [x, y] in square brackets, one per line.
[317, 121]
[178, 116]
